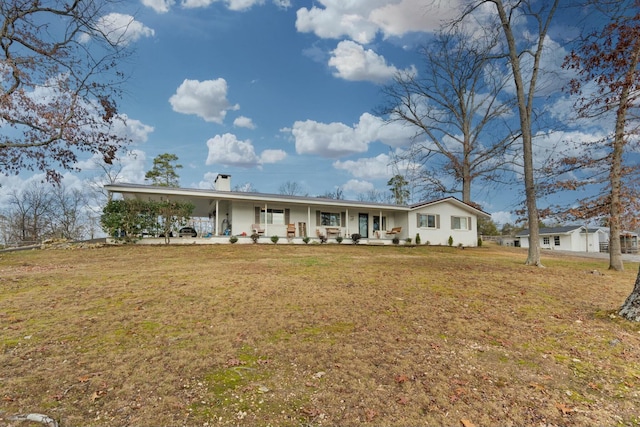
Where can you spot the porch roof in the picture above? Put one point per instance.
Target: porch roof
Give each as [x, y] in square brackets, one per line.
[195, 194]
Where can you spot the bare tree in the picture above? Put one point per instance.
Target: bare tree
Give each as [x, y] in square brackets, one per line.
[58, 80]
[29, 213]
[292, 188]
[523, 51]
[374, 196]
[69, 217]
[456, 104]
[608, 59]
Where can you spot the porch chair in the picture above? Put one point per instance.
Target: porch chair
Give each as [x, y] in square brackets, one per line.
[394, 231]
[255, 228]
[291, 230]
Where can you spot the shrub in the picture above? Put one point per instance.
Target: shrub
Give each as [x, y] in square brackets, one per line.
[339, 239]
[255, 237]
[355, 237]
[233, 239]
[306, 239]
[450, 241]
[275, 239]
[323, 238]
[417, 238]
[395, 240]
[479, 241]
[408, 240]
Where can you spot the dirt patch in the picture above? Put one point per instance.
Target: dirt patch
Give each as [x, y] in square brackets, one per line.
[315, 335]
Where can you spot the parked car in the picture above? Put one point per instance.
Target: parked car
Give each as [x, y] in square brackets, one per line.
[187, 232]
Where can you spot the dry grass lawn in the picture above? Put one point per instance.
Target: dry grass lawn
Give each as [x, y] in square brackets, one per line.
[293, 335]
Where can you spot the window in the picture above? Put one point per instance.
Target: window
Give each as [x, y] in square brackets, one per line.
[460, 223]
[428, 221]
[376, 223]
[556, 240]
[545, 241]
[330, 219]
[272, 216]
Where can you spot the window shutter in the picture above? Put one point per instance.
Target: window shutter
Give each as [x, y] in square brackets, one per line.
[343, 219]
[469, 220]
[437, 221]
[418, 220]
[318, 218]
[257, 215]
[287, 216]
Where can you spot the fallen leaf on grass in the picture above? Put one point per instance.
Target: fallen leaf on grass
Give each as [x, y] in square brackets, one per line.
[7, 398]
[97, 395]
[402, 400]
[234, 362]
[466, 423]
[401, 379]
[564, 408]
[370, 414]
[84, 378]
[311, 412]
[538, 387]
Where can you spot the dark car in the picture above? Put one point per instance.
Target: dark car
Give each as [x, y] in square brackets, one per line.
[187, 232]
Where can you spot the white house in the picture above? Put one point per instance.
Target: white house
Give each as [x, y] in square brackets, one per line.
[220, 212]
[577, 238]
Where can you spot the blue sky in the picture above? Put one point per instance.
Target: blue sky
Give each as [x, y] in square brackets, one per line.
[276, 91]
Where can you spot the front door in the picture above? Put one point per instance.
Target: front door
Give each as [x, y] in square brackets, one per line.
[363, 225]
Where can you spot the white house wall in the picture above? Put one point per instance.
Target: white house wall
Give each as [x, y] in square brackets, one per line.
[574, 241]
[440, 236]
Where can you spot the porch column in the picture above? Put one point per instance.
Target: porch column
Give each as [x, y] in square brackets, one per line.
[217, 217]
[346, 231]
[308, 220]
[266, 227]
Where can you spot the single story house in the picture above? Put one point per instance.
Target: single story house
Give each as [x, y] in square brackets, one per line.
[576, 238]
[220, 212]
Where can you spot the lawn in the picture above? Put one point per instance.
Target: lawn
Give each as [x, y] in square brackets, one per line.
[293, 335]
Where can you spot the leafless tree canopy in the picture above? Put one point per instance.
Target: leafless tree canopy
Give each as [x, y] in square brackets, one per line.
[58, 78]
[457, 106]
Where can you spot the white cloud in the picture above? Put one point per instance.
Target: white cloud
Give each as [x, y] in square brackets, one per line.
[394, 134]
[327, 140]
[132, 129]
[228, 150]
[335, 140]
[378, 167]
[361, 20]
[160, 6]
[502, 217]
[399, 18]
[122, 29]
[272, 156]
[355, 186]
[237, 5]
[354, 63]
[244, 122]
[208, 181]
[206, 99]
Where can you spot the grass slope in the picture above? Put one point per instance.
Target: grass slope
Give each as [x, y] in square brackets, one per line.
[315, 335]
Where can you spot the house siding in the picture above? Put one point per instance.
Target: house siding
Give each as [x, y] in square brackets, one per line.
[440, 236]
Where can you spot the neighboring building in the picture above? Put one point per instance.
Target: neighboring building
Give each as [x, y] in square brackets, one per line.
[628, 241]
[221, 212]
[577, 238]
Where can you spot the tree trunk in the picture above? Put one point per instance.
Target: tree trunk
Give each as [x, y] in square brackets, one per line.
[630, 310]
